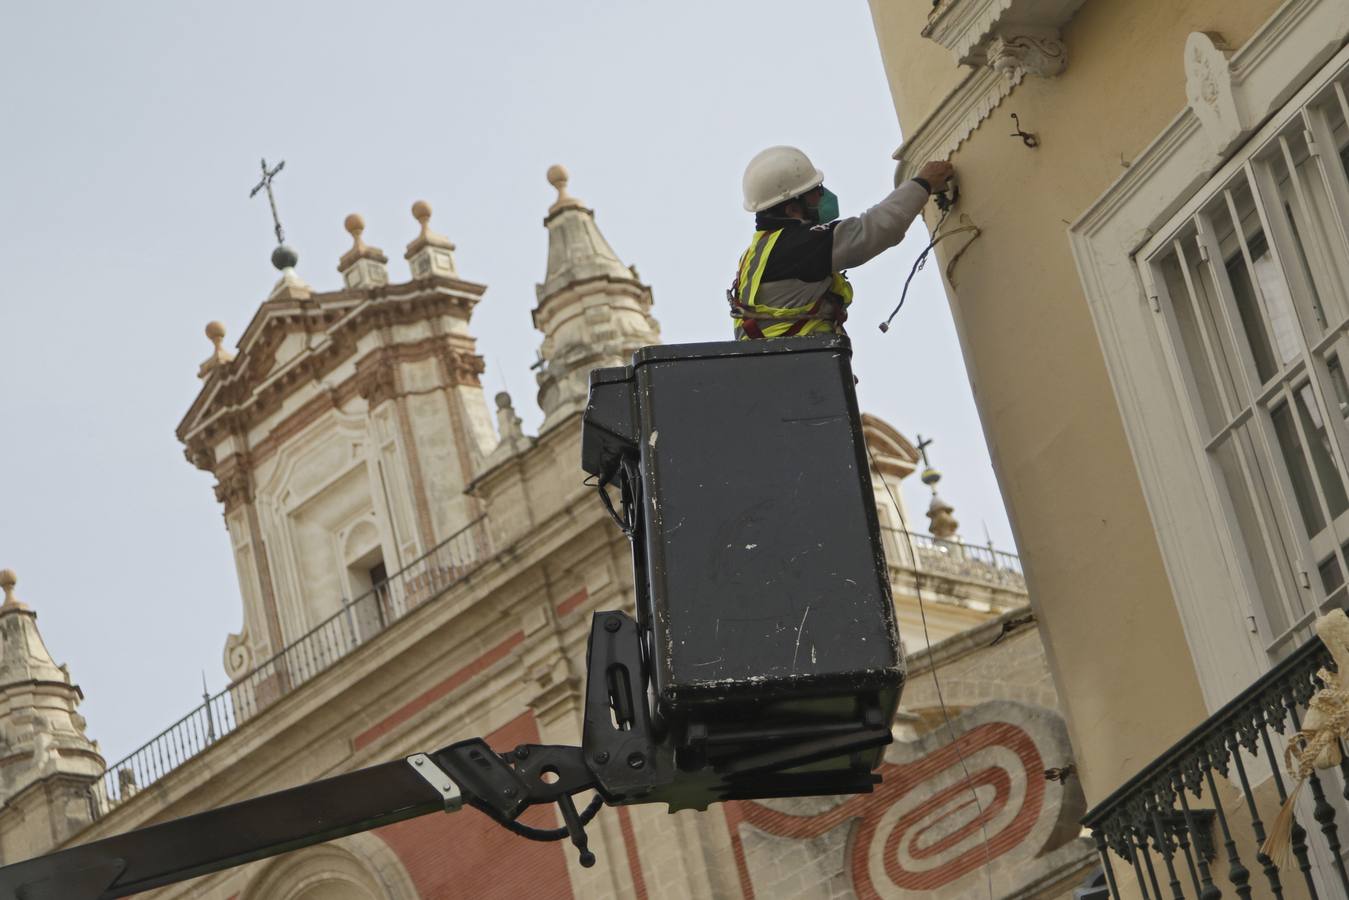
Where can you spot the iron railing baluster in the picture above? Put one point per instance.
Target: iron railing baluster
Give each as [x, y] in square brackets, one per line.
[1103, 850]
[1237, 873]
[1207, 890]
[1257, 826]
[1141, 849]
[1167, 851]
[1138, 874]
[1183, 841]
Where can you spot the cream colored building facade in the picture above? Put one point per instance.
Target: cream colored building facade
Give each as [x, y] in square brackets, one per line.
[1152, 312]
[414, 569]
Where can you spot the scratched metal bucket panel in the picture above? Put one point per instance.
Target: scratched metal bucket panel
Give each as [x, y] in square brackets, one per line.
[766, 577]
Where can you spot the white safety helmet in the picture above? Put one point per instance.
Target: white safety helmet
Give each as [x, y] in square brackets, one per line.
[778, 174]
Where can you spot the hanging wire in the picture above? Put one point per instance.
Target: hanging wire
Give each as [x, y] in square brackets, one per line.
[937, 236]
[941, 701]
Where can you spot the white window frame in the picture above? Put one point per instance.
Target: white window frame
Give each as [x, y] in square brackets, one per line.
[1301, 223]
[1115, 242]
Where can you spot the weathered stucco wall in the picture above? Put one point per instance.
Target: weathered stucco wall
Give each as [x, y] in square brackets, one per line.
[1114, 639]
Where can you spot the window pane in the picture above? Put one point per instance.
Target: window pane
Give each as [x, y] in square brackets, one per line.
[1278, 305]
[1298, 473]
[1314, 427]
[1339, 385]
[1269, 559]
[1193, 344]
[1292, 249]
[1331, 574]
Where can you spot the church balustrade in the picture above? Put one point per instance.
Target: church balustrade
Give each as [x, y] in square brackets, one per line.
[358, 621]
[1156, 835]
[925, 553]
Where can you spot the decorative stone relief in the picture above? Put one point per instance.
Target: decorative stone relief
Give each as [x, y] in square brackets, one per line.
[377, 380]
[1004, 34]
[238, 655]
[1034, 54]
[1208, 86]
[234, 482]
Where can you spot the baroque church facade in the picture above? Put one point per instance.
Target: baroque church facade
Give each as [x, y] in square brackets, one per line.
[414, 570]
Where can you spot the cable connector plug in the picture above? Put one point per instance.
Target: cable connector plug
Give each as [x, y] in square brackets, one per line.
[945, 199]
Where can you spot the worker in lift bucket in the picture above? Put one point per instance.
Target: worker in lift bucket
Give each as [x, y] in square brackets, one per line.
[790, 281]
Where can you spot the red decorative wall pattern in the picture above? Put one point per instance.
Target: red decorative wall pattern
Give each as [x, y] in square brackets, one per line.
[894, 838]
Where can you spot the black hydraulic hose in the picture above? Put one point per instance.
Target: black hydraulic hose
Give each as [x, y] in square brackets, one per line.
[543, 834]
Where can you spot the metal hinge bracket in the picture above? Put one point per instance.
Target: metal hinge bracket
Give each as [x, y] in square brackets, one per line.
[1312, 149]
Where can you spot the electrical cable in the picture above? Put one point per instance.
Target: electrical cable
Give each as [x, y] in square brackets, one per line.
[917, 264]
[941, 701]
[937, 237]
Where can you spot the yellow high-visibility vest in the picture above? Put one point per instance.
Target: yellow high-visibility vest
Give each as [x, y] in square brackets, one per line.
[757, 321]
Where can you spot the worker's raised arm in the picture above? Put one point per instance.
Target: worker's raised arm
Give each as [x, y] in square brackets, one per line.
[859, 238]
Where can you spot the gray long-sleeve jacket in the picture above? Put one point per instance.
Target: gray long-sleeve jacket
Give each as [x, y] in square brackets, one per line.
[800, 269]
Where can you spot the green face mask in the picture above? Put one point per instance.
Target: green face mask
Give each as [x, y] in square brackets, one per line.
[827, 209]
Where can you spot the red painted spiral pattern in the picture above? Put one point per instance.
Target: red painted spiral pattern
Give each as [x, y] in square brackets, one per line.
[902, 836]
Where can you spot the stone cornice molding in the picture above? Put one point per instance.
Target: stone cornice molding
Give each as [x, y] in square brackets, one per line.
[377, 378]
[980, 32]
[955, 118]
[234, 481]
[250, 390]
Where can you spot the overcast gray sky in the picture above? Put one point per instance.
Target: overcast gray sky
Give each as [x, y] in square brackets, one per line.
[129, 138]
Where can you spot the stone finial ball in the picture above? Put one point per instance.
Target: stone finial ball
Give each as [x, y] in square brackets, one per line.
[8, 579]
[283, 257]
[503, 400]
[354, 224]
[558, 176]
[215, 331]
[421, 211]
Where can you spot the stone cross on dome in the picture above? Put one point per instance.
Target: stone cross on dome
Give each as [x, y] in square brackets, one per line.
[284, 257]
[266, 184]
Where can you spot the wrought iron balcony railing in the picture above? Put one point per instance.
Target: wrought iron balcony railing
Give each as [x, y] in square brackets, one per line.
[355, 623]
[1155, 832]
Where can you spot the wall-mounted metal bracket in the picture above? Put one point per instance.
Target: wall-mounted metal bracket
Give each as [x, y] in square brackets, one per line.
[1027, 138]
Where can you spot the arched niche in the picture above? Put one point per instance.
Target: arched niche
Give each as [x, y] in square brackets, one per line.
[357, 867]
